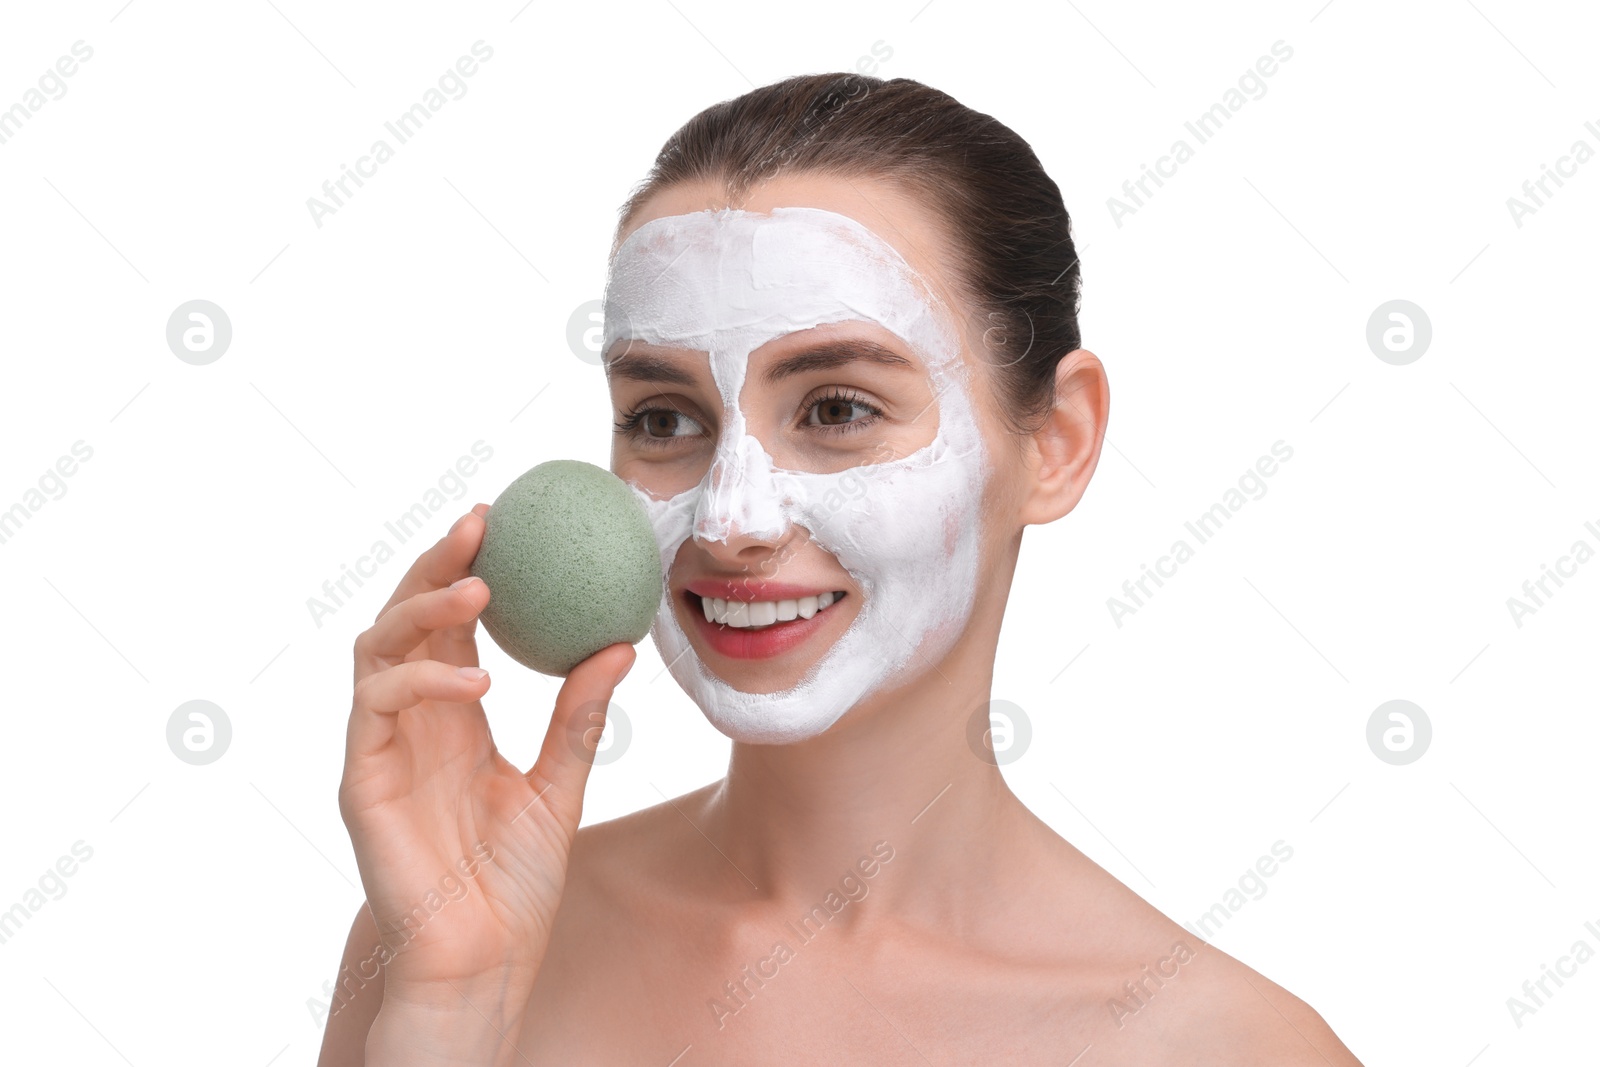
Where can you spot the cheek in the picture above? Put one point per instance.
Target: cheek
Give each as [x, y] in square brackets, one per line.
[952, 534]
[903, 522]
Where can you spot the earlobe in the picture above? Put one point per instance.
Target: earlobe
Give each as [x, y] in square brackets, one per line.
[1064, 451]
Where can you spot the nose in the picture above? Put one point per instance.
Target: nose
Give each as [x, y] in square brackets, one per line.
[741, 503]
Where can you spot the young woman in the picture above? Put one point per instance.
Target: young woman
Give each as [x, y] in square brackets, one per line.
[842, 347]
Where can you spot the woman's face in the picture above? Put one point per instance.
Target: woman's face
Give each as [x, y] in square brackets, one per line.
[799, 409]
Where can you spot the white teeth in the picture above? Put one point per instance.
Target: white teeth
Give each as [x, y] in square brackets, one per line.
[754, 615]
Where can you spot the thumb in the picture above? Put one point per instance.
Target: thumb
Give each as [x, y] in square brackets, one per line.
[561, 772]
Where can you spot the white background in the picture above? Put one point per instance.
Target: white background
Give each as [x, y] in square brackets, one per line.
[431, 311]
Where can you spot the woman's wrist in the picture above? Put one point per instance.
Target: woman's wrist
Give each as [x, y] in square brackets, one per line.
[475, 1025]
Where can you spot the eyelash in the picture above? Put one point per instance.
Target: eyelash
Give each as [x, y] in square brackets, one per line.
[629, 424]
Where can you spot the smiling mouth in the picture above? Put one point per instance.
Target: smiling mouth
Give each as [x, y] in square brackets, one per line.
[761, 614]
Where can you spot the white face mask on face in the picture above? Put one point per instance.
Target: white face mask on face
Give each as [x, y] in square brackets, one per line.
[907, 530]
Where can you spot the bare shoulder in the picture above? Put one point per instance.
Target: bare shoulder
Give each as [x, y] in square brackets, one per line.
[1200, 1005]
[1243, 1017]
[1151, 990]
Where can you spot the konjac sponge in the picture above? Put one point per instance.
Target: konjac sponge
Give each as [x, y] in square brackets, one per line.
[572, 566]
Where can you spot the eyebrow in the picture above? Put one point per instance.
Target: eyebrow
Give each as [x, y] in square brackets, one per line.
[635, 366]
[825, 355]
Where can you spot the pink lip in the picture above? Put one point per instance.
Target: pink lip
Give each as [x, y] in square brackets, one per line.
[765, 643]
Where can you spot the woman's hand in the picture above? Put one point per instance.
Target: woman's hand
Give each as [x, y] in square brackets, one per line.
[432, 806]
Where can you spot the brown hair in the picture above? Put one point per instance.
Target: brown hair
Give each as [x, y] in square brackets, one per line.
[1013, 238]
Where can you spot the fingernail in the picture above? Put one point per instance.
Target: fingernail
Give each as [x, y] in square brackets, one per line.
[457, 523]
[472, 673]
[464, 581]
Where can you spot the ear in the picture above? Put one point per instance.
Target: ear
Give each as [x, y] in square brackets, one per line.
[1063, 452]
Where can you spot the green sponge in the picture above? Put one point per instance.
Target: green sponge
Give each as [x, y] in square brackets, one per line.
[572, 566]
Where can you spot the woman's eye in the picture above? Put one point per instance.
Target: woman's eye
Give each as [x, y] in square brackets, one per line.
[660, 423]
[840, 411]
[832, 414]
[656, 427]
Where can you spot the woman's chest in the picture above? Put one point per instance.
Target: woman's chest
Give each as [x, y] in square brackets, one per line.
[772, 997]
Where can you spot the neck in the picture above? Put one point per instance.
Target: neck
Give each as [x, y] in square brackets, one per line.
[896, 777]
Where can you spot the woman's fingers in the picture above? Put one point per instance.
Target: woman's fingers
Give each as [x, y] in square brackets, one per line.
[562, 770]
[447, 560]
[461, 639]
[401, 629]
[379, 697]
